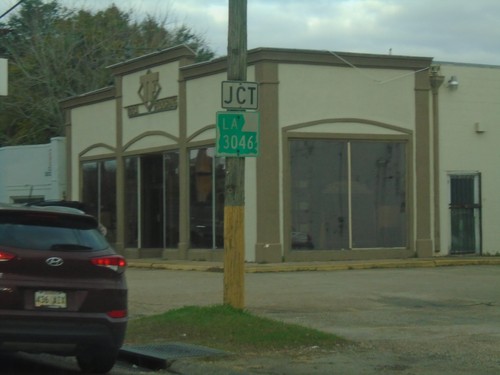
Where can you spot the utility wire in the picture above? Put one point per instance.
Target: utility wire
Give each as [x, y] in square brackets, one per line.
[11, 9]
[362, 72]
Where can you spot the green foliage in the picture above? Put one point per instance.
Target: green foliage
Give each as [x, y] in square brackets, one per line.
[55, 53]
[226, 328]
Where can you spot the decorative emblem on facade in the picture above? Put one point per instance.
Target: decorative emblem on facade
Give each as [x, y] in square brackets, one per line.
[149, 90]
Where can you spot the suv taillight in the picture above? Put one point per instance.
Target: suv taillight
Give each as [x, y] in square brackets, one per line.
[117, 314]
[114, 262]
[6, 256]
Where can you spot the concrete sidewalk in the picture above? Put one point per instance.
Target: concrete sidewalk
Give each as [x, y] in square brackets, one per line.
[176, 265]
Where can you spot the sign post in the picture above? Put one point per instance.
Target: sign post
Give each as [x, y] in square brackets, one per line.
[234, 188]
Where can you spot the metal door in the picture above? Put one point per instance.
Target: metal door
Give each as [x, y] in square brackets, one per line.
[465, 213]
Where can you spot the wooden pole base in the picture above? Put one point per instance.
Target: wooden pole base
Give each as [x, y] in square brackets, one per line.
[234, 256]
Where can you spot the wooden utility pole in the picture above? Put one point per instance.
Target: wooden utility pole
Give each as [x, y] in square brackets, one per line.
[234, 206]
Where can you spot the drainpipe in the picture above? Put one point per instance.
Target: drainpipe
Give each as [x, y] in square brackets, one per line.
[436, 80]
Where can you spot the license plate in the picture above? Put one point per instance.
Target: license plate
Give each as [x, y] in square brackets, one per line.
[50, 299]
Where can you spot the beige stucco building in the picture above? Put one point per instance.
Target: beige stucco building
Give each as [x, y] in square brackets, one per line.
[360, 156]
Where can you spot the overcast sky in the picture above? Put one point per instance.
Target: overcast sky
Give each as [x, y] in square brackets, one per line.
[448, 30]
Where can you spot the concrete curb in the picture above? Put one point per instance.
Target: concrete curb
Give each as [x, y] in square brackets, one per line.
[161, 356]
[315, 266]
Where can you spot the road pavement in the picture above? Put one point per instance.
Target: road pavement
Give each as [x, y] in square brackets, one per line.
[406, 319]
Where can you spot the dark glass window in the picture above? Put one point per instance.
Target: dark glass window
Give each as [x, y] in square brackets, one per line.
[49, 231]
[99, 193]
[107, 201]
[131, 202]
[319, 195]
[171, 196]
[152, 200]
[38, 237]
[207, 176]
[378, 194]
[90, 192]
[348, 194]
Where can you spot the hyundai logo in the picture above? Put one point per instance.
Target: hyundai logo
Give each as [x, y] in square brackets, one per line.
[54, 261]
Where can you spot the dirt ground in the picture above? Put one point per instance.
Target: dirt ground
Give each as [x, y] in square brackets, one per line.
[440, 357]
[401, 321]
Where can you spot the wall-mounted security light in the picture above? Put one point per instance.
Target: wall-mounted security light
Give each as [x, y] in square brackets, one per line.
[453, 83]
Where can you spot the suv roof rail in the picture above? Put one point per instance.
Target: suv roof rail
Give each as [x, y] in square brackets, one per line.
[59, 203]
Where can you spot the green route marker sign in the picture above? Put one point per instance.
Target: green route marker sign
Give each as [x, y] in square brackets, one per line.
[238, 134]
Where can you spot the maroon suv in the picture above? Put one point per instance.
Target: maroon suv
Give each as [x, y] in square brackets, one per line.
[62, 287]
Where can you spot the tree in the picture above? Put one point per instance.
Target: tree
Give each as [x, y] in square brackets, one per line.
[55, 52]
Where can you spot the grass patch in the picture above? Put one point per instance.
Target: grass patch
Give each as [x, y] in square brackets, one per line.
[226, 328]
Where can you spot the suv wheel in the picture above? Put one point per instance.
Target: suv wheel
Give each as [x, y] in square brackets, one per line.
[96, 359]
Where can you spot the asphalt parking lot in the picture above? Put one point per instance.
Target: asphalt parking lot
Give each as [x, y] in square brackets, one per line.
[424, 320]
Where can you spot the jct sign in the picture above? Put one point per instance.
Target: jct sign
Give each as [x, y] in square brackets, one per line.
[239, 95]
[237, 134]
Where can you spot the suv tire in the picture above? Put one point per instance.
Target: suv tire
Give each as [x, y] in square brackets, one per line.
[96, 359]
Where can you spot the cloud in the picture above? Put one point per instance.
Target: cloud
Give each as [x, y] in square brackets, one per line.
[448, 30]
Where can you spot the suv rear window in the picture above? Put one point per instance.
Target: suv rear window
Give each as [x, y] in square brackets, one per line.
[49, 231]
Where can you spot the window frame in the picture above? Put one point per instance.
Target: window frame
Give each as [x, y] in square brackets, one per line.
[305, 254]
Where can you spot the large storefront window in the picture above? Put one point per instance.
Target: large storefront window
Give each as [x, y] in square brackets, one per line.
[99, 192]
[348, 194]
[207, 175]
[132, 202]
[152, 200]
